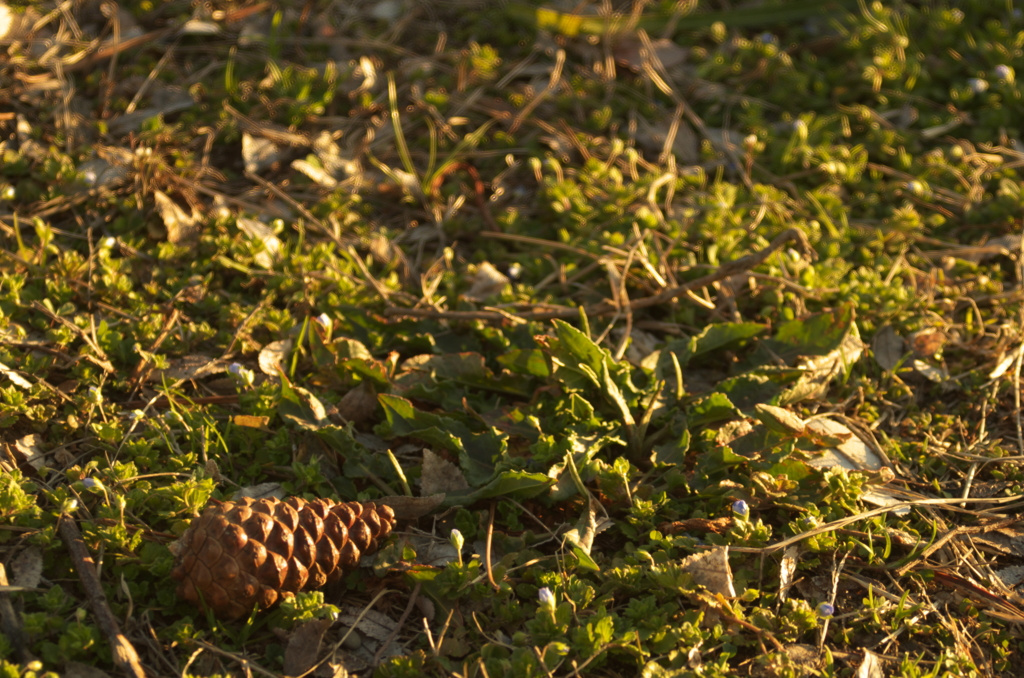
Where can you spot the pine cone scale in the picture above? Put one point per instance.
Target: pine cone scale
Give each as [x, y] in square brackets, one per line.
[237, 555]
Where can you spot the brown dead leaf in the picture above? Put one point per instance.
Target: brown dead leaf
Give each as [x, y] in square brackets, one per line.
[786, 570]
[304, 646]
[701, 525]
[412, 508]
[440, 475]
[250, 421]
[263, 235]
[30, 449]
[927, 343]
[181, 228]
[273, 356]
[359, 404]
[192, 367]
[27, 568]
[259, 153]
[486, 282]
[888, 348]
[711, 570]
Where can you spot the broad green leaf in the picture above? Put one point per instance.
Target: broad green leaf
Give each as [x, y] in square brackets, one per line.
[511, 484]
[580, 346]
[711, 408]
[477, 451]
[580, 408]
[779, 419]
[371, 369]
[465, 368]
[748, 390]
[352, 348]
[671, 454]
[816, 335]
[529, 361]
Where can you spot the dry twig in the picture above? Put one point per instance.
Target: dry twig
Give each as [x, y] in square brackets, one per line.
[124, 652]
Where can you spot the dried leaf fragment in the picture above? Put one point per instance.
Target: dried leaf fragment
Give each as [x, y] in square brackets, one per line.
[304, 646]
[15, 378]
[27, 568]
[258, 153]
[711, 570]
[486, 282]
[888, 348]
[440, 475]
[273, 355]
[181, 227]
[263, 235]
[30, 448]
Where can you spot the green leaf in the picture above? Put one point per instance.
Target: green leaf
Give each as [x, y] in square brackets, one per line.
[779, 420]
[712, 338]
[711, 408]
[477, 451]
[815, 335]
[511, 484]
[466, 368]
[529, 361]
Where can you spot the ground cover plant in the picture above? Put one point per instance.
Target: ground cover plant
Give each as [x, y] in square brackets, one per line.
[682, 339]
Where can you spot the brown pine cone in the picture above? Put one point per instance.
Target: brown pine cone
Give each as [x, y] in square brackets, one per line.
[240, 553]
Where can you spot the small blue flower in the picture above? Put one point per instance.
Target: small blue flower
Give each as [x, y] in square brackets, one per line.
[825, 610]
[767, 38]
[740, 508]
[1004, 72]
[977, 85]
[95, 395]
[92, 482]
[137, 415]
[547, 599]
[235, 369]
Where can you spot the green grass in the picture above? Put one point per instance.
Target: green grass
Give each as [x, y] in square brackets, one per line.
[177, 326]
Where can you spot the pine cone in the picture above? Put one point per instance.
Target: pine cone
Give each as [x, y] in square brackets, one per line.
[240, 553]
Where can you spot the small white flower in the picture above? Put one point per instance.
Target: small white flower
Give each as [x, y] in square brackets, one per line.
[515, 270]
[92, 482]
[95, 395]
[1004, 72]
[800, 127]
[324, 320]
[8, 193]
[137, 415]
[977, 85]
[547, 599]
[915, 187]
